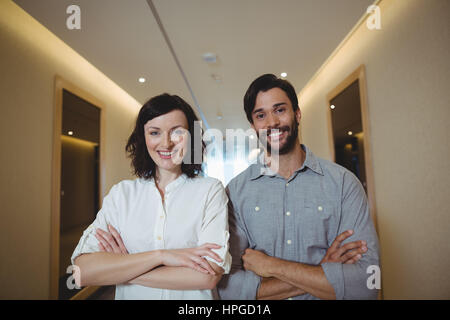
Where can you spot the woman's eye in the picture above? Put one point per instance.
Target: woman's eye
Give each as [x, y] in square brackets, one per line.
[154, 133]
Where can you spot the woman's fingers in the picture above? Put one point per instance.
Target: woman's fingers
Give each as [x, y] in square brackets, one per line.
[211, 254]
[104, 243]
[204, 264]
[109, 239]
[118, 238]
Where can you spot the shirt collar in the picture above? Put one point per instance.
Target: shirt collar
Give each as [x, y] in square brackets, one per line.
[310, 162]
[172, 185]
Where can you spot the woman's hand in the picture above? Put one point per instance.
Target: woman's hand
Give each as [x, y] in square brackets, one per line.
[110, 241]
[192, 257]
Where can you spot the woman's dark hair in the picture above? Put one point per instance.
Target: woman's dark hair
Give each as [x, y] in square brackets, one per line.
[265, 83]
[143, 165]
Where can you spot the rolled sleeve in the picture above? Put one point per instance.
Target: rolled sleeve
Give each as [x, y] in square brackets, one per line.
[215, 226]
[350, 280]
[107, 215]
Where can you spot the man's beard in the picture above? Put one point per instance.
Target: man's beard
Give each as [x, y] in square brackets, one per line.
[290, 139]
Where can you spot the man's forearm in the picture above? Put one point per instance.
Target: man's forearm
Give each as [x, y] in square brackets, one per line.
[309, 278]
[276, 289]
[103, 268]
[177, 278]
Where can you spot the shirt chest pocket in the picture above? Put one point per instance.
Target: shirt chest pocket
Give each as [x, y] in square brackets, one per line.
[262, 224]
[317, 221]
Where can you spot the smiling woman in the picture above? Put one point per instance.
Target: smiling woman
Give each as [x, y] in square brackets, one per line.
[165, 234]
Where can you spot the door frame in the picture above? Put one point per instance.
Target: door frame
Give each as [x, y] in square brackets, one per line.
[360, 75]
[60, 85]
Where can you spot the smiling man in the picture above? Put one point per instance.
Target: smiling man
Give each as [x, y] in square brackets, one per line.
[299, 225]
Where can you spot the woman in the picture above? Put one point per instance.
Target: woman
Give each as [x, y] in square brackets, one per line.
[165, 234]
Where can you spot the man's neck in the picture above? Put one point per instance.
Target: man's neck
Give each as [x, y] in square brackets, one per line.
[288, 163]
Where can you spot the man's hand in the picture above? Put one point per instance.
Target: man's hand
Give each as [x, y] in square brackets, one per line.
[349, 253]
[257, 262]
[110, 241]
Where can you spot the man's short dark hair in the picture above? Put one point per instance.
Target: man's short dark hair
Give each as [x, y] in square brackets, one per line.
[141, 162]
[265, 83]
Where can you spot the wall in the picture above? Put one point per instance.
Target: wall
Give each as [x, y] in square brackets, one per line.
[407, 72]
[30, 56]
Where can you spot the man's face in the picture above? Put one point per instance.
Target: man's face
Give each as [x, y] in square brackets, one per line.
[274, 117]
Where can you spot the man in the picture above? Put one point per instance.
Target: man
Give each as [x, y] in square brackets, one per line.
[288, 218]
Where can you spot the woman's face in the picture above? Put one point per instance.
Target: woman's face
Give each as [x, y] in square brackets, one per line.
[166, 138]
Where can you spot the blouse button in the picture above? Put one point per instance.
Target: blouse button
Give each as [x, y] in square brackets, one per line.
[256, 208]
[320, 208]
[159, 238]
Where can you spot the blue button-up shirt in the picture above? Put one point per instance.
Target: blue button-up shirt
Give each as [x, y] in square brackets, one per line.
[297, 220]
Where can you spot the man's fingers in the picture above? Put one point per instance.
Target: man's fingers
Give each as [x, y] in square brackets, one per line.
[350, 246]
[353, 260]
[102, 247]
[337, 242]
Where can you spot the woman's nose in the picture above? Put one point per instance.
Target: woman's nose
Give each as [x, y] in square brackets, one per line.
[166, 141]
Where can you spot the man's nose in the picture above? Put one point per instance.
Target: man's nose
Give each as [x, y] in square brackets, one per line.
[272, 121]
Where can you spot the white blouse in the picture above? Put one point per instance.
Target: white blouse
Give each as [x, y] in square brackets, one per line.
[194, 212]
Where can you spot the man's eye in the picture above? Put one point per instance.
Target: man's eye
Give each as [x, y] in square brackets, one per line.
[260, 116]
[280, 110]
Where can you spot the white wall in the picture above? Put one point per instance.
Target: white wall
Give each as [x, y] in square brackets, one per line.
[30, 56]
[408, 74]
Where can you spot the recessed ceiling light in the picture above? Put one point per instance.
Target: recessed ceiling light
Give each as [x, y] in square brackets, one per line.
[70, 133]
[252, 137]
[350, 133]
[283, 74]
[141, 80]
[332, 106]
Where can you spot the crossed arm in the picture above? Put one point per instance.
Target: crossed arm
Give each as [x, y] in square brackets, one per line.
[178, 269]
[283, 279]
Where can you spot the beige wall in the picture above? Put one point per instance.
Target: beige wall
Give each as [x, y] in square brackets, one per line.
[30, 56]
[408, 74]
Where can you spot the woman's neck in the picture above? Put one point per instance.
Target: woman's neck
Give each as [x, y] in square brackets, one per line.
[164, 177]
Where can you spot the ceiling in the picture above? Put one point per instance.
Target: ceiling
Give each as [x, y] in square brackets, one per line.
[250, 38]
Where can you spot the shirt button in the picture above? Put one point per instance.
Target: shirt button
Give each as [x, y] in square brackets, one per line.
[161, 217]
[256, 208]
[287, 184]
[289, 242]
[159, 238]
[319, 208]
[288, 213]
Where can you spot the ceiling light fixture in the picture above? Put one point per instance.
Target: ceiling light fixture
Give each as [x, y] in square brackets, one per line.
[332, 106]
[283, 74]
[70, 133]
[350, 133]
[141, 80]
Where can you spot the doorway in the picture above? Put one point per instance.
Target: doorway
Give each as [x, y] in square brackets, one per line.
[349, 131]
[76, 182]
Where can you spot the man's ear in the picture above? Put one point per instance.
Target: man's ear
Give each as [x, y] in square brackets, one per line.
[298, 115]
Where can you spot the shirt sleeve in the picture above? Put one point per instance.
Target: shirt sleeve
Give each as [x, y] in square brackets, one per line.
[350, 280]
[239, 284]
[215, 225]
[107, 215]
